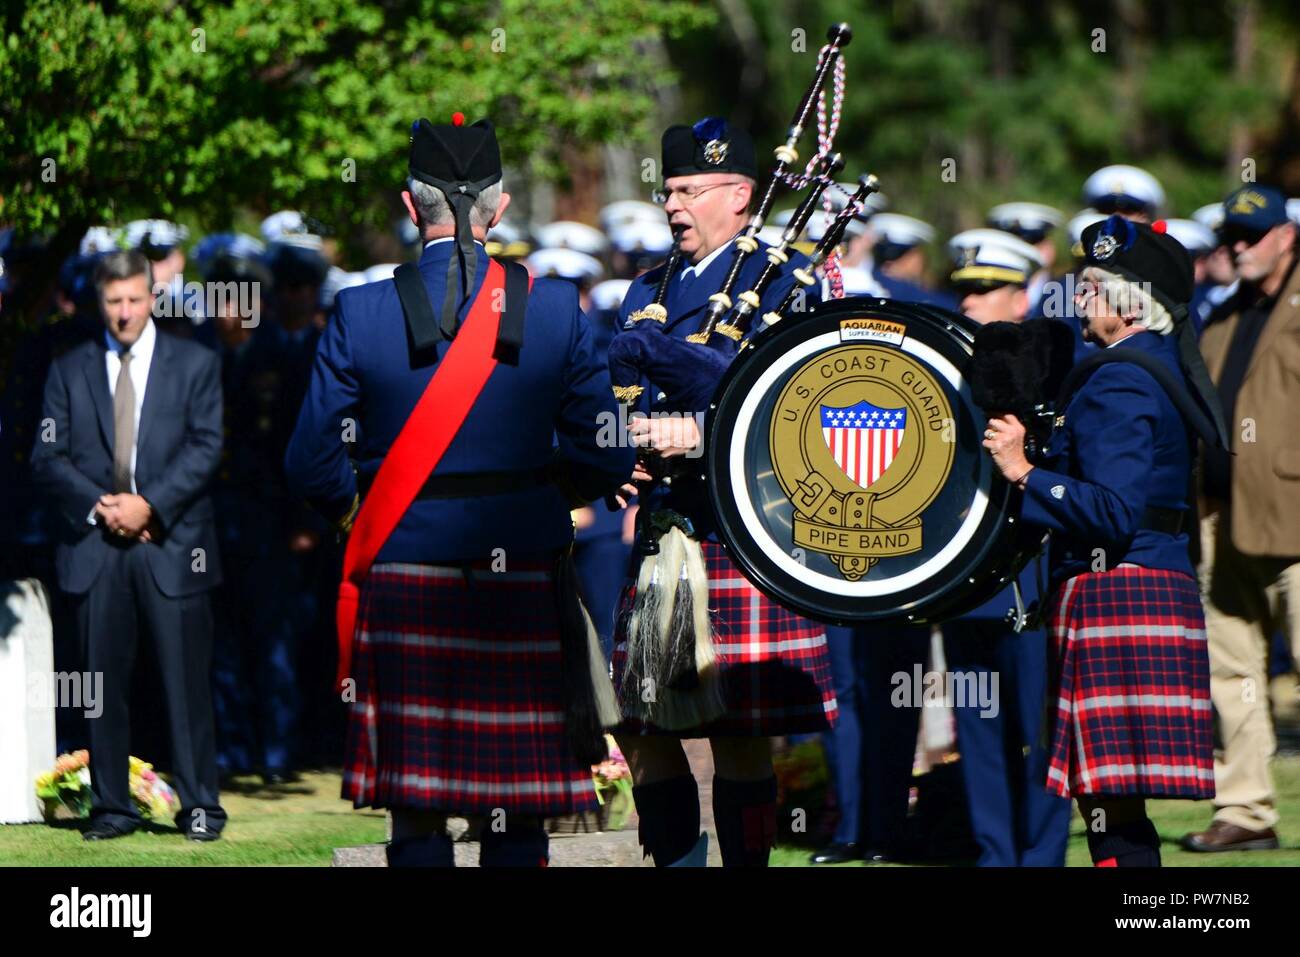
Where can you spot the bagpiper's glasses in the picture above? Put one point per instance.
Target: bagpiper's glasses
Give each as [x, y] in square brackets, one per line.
[687, 194]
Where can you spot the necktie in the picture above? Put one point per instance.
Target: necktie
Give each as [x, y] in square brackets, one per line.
[123, 426]
[684, 285]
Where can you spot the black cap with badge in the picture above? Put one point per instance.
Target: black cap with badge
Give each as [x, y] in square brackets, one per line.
[1149, 255]
[710, 146]
[461, 161]
[1146, 254]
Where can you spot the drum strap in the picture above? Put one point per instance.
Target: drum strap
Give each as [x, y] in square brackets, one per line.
[1191, 412]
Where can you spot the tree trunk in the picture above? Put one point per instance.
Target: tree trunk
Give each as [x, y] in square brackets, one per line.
[753, 59]
[1244, 28]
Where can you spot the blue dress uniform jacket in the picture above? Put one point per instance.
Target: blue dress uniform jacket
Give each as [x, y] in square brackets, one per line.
[600, 554]
[559, 391]
[687, 303]
[608, 523]
[1103, 478]
[688, 298]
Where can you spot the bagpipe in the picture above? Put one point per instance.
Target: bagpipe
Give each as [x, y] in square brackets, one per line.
[671, 678]
[683, 371]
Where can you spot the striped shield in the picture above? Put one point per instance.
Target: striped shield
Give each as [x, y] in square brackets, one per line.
[863, 439]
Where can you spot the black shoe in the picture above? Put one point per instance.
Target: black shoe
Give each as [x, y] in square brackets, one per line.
[104, 831]
[838, 854]
[201, 832]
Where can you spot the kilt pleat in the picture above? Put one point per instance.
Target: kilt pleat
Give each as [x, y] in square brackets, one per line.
[1131, 685]
[460, 704]
[774, 666]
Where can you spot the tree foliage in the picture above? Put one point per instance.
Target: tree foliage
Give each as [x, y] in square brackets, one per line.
[170, 107]
[1026, 97]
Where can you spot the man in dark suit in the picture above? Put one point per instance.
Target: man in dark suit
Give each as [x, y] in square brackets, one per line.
[131, 439]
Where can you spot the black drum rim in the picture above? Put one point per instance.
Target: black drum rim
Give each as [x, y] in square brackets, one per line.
[999, 547]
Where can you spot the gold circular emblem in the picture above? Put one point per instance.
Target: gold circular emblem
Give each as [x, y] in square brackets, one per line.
[862, 440]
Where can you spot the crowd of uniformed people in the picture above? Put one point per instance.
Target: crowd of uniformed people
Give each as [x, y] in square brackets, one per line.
[272, 660]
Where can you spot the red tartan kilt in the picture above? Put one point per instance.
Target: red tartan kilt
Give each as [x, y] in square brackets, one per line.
[460, 703]
[774, 666]
[1131, 681]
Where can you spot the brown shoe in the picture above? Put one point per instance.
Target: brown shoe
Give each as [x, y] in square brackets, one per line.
[1222, 836]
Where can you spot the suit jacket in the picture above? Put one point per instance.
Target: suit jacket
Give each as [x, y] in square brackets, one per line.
[1266, 469]
[178, 447]
[556, 407]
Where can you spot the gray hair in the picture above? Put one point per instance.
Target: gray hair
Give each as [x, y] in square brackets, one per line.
[122, 264]
[432, 207]
[1128, 298]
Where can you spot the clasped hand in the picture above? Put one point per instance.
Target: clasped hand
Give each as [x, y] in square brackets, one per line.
[127, 516]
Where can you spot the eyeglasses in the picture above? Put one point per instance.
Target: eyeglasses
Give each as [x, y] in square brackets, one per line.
[687, 194]
[977, 288]
[1231, 235]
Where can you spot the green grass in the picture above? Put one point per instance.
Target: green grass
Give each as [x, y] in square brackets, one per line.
[301, 824]
[1173, 819]
[293, 824]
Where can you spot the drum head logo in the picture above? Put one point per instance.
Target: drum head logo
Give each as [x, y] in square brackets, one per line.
[862, 443]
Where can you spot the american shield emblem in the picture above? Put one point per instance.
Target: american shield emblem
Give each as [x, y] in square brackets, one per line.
[863, 439]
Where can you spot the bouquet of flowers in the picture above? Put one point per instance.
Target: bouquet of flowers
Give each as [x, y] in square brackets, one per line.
[614, 787]
[154, 797]
[67, 786]
[66, 789]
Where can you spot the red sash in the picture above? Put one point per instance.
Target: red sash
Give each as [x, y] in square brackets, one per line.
[419, 447]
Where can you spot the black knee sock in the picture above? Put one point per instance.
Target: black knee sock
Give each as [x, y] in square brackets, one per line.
[1133, 843]
[669, 812]
[744, 812]
[425, 850]
[522, 843]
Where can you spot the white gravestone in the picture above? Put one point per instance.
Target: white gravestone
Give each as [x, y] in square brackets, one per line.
[27, 747]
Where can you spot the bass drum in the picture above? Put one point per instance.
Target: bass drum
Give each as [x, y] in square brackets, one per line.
[846, 470]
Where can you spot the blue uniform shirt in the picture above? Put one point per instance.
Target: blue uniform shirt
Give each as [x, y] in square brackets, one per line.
[363, 382]
[1123, 447]
[687, 303]
[905, 290]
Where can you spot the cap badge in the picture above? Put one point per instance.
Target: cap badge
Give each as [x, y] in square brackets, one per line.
[1247, 202]
[715, 152]
[1105, 247]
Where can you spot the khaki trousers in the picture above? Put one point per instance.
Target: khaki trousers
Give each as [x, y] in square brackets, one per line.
[1247, 598]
